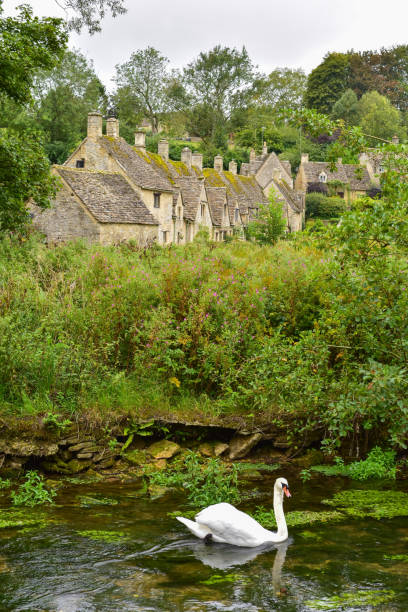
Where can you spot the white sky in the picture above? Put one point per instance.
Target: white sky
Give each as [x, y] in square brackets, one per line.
[295, 33]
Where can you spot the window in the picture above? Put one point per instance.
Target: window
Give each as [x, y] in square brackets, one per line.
[156, 200]
[202, 210]
[323, 177]
[80, 163]
[236, 215]
[165, 237]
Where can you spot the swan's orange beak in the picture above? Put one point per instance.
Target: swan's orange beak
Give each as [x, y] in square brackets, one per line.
[286, 491]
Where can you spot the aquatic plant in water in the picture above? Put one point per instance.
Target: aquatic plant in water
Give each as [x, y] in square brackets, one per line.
[377, 504]
[87, 501]
[348, 601]
[378, 464]
[32, 492]
[296, 518]
[105, 536]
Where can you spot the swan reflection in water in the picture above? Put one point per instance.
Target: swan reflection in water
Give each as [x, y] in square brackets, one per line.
[224, 556]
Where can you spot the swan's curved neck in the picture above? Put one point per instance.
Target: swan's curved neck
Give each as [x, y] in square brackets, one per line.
[282, 532]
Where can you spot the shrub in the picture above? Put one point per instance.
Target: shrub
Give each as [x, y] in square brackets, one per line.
[321, 206]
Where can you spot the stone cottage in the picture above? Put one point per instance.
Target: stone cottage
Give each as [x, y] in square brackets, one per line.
[348, 181]
[111, 191]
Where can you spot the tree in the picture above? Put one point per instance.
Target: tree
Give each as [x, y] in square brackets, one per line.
[217, 83]
[63, 98]
[89, 13]
[142, 86]
[283, 88]
[378, 117]
[27, 44]
[327, 82]
[346, 108]
[270, 224]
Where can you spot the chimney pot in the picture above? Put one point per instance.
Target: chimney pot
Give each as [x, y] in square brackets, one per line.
[395, 139]
[94, 124]
[252, 156]
[140, 139]
[112, 127]
[163, 149]
[339, 160]
[304, 158]
[232, 166]
[218, 163]
[197, 161]
[186, 156]
[264, 149]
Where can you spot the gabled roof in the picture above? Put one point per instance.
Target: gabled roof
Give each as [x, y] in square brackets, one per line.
[107, 196]
[141, 167]
[244, 189]
[313, 170]
[190, 189]
[358, 177]
[291, 196]
[216, 198]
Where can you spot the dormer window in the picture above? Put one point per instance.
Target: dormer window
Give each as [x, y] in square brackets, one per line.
[156, 200]
[80, 163]
[323, 177]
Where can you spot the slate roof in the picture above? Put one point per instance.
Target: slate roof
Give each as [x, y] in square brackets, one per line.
[216, 198]
[107, 196]
[313, 169]
[243, 189]
[287, 167]
[190, 189]
[358, 177]
[290, 196]
[139, 166]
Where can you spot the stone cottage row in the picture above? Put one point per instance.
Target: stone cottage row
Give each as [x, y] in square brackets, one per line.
[110, 191]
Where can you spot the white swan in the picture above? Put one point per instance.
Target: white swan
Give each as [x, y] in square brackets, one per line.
[224, 523]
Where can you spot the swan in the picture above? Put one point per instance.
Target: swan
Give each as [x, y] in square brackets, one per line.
[224, 523]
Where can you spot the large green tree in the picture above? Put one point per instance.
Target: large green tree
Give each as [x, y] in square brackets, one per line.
[63, 98]
[282, 89]
[142, 86]
[27, 44]
[327, 82]
[378, 117]
[89, 13]
[346, 108]
[218, 83]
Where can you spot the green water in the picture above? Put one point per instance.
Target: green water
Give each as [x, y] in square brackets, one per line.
[123, 552]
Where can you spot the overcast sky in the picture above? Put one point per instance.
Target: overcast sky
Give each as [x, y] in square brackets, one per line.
[296, 33]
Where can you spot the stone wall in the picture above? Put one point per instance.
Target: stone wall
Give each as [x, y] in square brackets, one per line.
[114, 233]
[65, 220]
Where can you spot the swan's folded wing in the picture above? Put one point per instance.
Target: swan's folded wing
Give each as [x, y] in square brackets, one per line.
[232, 525]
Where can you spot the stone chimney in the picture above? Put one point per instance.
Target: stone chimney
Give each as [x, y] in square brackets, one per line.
[140, 139]
[339, 161]
[94, 124]
[218, 163]
[163, 149]
[264, 149]
[186, 156]
[252, 156]
[304, 158]
[395, 139]
[232, 166]
[197, 161]
[112, 127]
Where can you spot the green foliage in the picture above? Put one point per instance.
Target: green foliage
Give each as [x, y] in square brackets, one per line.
[27, 44]
[5, 483]
[327, 82]
[356, 599]
[378, 117]
[320, 206]
[56, 421]
[206, 484]
[347, 108]
[270, 224]
[32, 492]
[379, 464]
[24, 174]
[90, 13]
[376, 504]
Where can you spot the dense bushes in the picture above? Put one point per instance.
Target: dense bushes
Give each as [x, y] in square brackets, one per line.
[282, 331]
[321, 206]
